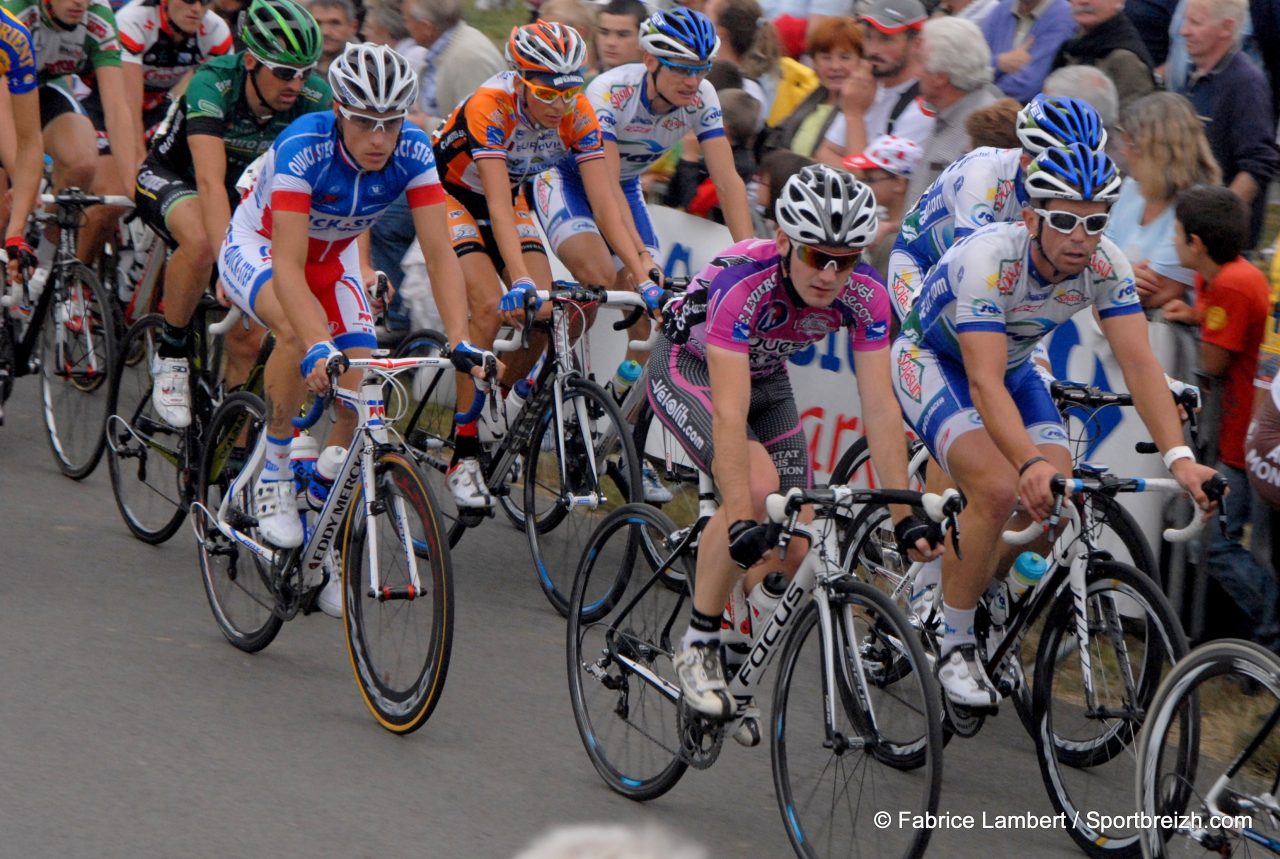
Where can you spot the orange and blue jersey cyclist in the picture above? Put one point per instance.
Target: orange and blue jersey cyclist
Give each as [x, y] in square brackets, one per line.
[516, 125]
[21, 151]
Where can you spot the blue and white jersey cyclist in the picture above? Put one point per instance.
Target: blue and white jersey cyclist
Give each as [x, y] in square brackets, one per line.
[969, 390]
[644, 110]
[983, 187]
[18, 65]
[290, 257]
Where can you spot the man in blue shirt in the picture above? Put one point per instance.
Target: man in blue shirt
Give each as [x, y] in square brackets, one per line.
[1025, 36]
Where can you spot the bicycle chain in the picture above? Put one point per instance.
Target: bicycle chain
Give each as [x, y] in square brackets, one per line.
[694, 749]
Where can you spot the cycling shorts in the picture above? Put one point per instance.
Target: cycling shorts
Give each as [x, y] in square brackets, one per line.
[54, 102]
[561, 203]
[472, 234]
[680, 395]
[905, 280]
[244, 263]
[935, 398]
[156, 192]
[94, 110]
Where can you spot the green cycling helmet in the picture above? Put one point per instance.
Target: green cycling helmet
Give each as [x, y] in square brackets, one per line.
[281, 32]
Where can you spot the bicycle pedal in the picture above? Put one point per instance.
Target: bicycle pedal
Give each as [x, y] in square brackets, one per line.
[240, 520]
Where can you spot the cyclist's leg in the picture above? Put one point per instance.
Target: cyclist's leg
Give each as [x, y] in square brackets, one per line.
[69, 139]
[562, 208]
[905, 277]
[351, 322]
[99, 220]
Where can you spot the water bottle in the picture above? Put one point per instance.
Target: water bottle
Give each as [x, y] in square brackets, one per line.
[735, 623]
[764, 598]
[302, 462]
[1027, 571]
[628, 372]
[514, 402]
[326, 471]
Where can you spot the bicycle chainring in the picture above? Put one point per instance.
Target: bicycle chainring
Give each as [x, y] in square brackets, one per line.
[700, 739]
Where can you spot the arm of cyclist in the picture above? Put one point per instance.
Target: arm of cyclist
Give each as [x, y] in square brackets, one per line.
[985, 353]
[885, 435]
[1143, 375]
[133, 89]
[730, 189]
[120, 124]
[496, 182]
[595, 178]
[289, 240]
[730, 374]
[27, 167]
[209, 156]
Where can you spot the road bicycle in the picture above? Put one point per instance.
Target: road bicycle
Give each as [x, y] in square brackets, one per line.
[379, 530]
[852, 688]
[153, 465]
[1100, 635]
[61, 323]
[565, 459]
[1208, 773]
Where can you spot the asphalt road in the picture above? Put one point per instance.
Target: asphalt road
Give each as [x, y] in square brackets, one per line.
[130, 728]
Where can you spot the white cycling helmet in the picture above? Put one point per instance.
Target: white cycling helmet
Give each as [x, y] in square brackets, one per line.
[544, 48]
[821, 205]
[373, 78]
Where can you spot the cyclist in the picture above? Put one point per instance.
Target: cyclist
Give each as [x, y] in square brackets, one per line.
[290, 258]
[728, 341]
[969, 390]
[980, 188]
[21, 153]
[516, 125]
[74, 38]
[230, 113]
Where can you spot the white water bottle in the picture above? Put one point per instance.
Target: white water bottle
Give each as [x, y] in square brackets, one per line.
[627, 374]
[764, 598]
[326, 471]
[303, 451]
[1028, 569]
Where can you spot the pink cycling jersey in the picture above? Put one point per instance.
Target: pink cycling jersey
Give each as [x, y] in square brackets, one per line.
[752, 307]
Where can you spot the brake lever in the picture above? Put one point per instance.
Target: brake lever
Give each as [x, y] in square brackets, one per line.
[953, 519]
[785, 535]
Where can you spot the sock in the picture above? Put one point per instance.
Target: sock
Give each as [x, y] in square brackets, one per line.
[466, 443]
[957, 628]
[276, 466]
[173, 341]
[703, 629]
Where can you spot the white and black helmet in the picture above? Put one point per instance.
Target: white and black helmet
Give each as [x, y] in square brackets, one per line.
[374, 78]
[821, 205]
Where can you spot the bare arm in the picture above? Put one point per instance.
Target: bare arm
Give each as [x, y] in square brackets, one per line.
[730, 374]
[209, 156]
[613, 164]
[133, 88]
[730, 189]
[120, 124]
[27, 166]
[886, 437]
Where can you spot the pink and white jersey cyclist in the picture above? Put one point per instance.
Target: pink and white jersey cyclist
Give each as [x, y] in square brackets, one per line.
[718, 380]
[290, 257]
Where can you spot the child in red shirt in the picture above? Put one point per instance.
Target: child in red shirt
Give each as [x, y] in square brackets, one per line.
[1233, 308]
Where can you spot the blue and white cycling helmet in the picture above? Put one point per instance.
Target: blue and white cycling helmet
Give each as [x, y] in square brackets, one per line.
[1049, 121]
[680, 34]
[1074, 172]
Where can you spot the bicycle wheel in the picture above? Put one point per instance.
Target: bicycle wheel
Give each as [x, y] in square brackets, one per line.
[1113, 528]
[659, 449]
[627, 614]
[567, 495]
[236, 581]
[145, 456]
[834, 782]
[399, 638]
[1085, 740]
[1208, 750]
[77, 353]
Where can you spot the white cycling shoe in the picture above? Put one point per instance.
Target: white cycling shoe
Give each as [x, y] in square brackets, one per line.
[171, 391]
[702, 680]
[654, 491]
[467, 485]
[963, 679]
[275, 506]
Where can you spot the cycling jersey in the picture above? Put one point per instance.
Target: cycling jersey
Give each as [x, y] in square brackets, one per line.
[987, 282]
[751, 307]
[17, 56]
[91, 44]
[490, 123]
[165, 54]
[980, 188]
[214, 104]
[622, 105]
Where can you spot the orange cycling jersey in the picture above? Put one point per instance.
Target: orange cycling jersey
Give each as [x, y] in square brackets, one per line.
[491, 124]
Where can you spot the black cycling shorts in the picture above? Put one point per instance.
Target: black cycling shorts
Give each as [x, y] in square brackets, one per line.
[54, 102]
[680, 395]
[157, 191]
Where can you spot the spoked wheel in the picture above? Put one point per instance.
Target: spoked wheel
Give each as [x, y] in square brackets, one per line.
[568, 492]
[146, 457]
[629, 607]
[236, 581]
[1206, 761]
[1087, 739]
[662, 454]
[834, 777]
[77, 351]
[399, 636]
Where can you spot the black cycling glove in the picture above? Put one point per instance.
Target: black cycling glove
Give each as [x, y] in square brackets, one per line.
[749, 540]
[911, 529]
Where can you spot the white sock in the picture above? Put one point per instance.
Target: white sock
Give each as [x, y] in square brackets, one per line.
[276, 466]
[957, 628]
[696, 636]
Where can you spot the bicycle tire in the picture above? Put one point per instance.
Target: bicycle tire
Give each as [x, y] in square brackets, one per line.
[1209, 694]
[146, 458]
[800, 742]
[401, 689]
[237, 583]
[657, 446]
[560, 524]
[77, 353]
[625, 620]
[1143, 648]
